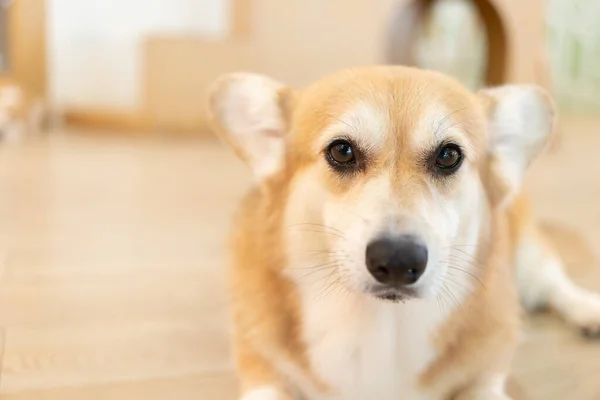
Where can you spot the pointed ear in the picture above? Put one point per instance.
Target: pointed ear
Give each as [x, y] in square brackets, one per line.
[250, 112]
[520, 121]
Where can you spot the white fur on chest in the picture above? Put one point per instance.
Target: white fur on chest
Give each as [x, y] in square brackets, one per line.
[365, 348]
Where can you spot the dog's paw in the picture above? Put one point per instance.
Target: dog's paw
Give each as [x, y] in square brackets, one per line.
[484, 396]
[583, 312]
[265, 393]
[488, 387]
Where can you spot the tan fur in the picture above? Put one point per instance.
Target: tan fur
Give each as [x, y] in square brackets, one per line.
[475, 343]
[487, 328]
[253, 289]
[258, 317]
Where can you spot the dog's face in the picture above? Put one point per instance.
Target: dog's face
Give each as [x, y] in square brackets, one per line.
[383, 167]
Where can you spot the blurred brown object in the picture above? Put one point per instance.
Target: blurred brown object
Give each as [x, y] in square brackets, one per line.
[514, 31]
[27, 47]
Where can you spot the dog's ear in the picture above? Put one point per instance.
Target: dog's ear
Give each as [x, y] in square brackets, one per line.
[251, 113]
[520, 121]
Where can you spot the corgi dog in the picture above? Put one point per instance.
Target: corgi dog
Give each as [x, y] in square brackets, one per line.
[385, 245]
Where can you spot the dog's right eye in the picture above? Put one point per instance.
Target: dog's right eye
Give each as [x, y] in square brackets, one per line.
[341, 153]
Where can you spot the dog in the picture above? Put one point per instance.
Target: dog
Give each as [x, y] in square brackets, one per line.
[385, 246]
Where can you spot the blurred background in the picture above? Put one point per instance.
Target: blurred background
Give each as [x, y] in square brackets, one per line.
[115, 199]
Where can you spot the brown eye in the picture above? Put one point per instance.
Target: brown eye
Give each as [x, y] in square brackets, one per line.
[448, 159]
[341, 152]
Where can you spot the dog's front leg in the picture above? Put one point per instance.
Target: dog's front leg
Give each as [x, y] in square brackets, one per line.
[259, 378]
[487, 387]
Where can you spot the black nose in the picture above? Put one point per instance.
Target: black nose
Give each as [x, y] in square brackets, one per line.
[397, 261]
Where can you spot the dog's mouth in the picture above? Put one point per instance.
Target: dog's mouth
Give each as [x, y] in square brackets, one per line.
[392, 294]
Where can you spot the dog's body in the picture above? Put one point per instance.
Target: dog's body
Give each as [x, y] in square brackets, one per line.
[364, 161]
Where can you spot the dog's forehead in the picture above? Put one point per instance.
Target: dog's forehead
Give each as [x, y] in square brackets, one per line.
[375, 123]
[373, 106]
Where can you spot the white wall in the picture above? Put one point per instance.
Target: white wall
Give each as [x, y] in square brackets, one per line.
[95, 46]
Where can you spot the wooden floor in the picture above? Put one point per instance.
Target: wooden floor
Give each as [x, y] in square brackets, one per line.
[111, 261]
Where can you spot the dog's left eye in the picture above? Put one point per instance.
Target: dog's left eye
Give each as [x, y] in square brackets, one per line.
[341, 152]
[448, 158]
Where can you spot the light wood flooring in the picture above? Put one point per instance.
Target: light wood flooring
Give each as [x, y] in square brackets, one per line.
[112, 255]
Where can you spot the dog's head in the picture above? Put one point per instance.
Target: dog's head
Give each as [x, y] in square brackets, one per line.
[383, 167]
